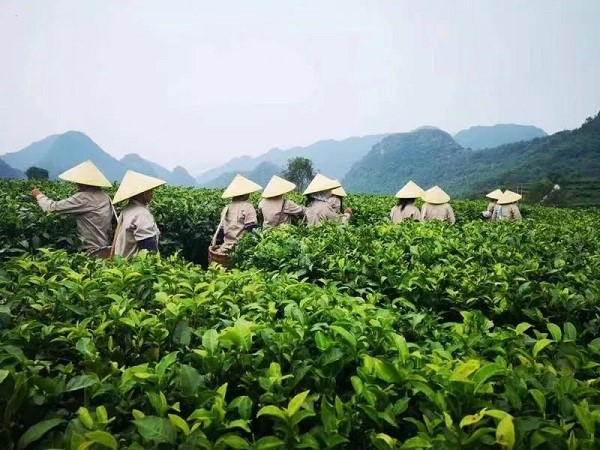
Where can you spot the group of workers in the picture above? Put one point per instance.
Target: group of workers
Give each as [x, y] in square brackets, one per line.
[136, 227]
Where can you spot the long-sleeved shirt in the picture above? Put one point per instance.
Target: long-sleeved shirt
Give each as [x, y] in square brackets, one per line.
[136, 223]
[410, 211]
[235, 217]
[429, 212]
[320, 211]
[93, 214]
[509, 212]
[278, 211]
[335, 202]
[492, 208]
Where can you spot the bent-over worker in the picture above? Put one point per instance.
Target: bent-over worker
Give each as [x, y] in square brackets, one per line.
[277, 210]
[436, 206]
[90, 205]
[491, 212]
[508, 209]
[405, 208]
[136, 227]
[237, 217]
[319, 209]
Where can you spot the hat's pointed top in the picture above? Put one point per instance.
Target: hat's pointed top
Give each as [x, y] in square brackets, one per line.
[410, 190]
[495, 194]
[85, 173]
[240, 186]
[320, 183]
[509, 197]
[135, 183]
[436, 196]
[277, 186]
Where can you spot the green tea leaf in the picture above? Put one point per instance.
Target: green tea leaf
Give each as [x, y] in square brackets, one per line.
[505, 432]
[37, 431]
[156, 429]
[555, 331]
[540, 345]
[102, 438]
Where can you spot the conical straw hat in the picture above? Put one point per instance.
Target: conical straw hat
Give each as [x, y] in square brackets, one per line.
[436, 196]
[240, 186]
[494, 195]
[320, 183]
[278, 186]
[410, 190]
[339, 191]
[135, 183]
[85, 173]
[509, 197]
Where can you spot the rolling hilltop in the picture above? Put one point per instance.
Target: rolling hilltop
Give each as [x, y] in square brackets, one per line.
[331, 157]
[479, 137]
[60, 152]
[431, 156]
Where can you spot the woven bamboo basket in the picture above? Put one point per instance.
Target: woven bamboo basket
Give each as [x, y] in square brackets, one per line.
[217, 258]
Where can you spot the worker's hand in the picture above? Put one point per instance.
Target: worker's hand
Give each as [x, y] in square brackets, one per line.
[35, 193]
[348, 211]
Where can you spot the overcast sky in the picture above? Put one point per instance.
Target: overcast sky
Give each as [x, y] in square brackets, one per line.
[198, 82]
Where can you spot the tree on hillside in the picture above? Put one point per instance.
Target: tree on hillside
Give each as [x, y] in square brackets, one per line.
[36, 173]
[299, 171]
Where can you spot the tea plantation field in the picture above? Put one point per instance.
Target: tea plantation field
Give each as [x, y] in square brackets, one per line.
[412, 336]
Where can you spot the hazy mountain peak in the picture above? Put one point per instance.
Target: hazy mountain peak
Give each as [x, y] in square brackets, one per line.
[483, 136]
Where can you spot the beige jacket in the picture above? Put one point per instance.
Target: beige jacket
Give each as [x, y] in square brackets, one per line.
[508, 212]
[431, 212]
[278, 211]
[319, 211]
[135, 224]
[335, 202]
[234, 218]
[93, 213]
[410, 211]
[493, 209]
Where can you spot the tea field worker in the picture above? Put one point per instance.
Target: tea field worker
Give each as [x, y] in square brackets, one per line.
[405, 207]
[91, 207]
[337, 198]
[237, 217]
[507, 206]
[319, 209]
[275, 209]
[436, 206]
[136, 227]
[491, 210]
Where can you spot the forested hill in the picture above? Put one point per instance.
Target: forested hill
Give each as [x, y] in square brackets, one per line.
[479, 137]
[8, 172]
[421, 155]
[432, 157]
[60, 152]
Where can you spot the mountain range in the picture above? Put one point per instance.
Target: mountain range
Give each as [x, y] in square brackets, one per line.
[336, 158]
[432, 156]
[60, 152]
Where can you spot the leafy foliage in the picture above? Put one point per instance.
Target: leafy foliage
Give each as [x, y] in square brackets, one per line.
[36, 173]
[373, 335]
[299, 171]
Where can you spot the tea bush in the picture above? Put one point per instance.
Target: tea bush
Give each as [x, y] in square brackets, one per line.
[156, 353]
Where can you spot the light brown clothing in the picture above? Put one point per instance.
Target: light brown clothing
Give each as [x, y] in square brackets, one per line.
[509, 212]
[335, 202]
[430, 212]
[410, 211]
[136, 223]
[278, 211]
[93, 214]
[492, 208]
[320, 211]
[234, 218]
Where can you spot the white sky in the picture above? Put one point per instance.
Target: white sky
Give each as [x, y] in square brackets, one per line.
[198, 82]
